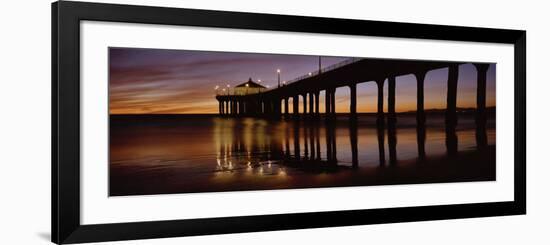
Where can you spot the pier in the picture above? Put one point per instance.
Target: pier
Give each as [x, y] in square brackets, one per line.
[274, 102]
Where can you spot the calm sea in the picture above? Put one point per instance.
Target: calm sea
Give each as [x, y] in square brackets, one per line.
[181, 154]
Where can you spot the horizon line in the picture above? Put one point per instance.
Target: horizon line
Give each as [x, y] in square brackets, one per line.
[458, 109]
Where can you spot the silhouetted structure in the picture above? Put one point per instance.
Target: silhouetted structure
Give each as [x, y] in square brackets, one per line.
[275, 103]
[248, 88]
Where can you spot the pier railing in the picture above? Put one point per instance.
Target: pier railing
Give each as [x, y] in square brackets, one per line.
[323, 70]
[308, 75]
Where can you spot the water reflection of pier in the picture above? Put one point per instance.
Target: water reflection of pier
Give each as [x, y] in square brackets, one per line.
[311, 145]
[274, 103]
[350, 73]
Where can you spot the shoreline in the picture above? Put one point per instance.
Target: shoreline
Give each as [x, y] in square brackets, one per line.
[466, 166]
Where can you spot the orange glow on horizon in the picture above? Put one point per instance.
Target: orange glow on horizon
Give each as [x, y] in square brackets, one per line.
[149, 81]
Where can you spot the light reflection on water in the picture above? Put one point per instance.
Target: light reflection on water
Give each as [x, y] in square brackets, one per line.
[190, 154]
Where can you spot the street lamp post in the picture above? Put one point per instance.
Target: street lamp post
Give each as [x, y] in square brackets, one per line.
[320, 65]
[278, 78]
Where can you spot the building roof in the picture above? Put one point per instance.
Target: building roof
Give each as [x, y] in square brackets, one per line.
[251, 84]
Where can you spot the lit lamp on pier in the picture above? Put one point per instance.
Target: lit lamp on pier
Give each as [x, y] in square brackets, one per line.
[217, 88]
[228, 89]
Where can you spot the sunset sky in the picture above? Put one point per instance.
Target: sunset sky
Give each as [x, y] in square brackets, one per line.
[155, 81]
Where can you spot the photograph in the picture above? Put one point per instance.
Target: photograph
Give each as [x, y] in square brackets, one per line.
[303, 122]
[191, 121]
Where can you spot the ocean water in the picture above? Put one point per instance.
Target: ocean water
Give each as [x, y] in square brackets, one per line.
[162, 154]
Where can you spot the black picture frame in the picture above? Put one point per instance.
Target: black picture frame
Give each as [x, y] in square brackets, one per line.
[66, 17]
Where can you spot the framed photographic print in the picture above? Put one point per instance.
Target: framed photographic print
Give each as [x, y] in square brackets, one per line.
[175, 122]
